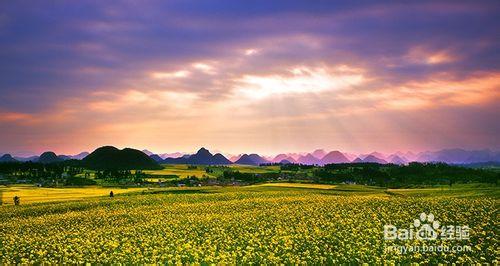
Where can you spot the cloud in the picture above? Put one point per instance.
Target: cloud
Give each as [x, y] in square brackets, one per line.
[142, 101]
[214, 71]
[299, 80]
[420, 55]
[17, 118]
[205, 68]
[167, 75]
[434, 92]
[251, 51]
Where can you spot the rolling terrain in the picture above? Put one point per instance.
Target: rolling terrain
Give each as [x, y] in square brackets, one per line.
[270, 223]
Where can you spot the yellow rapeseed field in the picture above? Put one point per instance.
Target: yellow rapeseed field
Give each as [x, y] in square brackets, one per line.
[238, 225]
[31, 194]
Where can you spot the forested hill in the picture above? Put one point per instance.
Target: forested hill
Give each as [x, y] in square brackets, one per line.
[111, 158]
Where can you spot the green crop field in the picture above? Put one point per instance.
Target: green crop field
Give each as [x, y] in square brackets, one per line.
[179, 170]
[255, 169]
[172, 172]
[183, 170]
[278, 223]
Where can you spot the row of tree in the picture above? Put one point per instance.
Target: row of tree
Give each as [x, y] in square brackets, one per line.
[391, 175]
[384, 175]
[37, 172]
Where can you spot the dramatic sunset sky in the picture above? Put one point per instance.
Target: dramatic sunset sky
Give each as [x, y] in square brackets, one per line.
[249, 76]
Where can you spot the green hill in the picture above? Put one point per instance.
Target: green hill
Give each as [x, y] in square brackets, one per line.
[111, 158]
[49, 157]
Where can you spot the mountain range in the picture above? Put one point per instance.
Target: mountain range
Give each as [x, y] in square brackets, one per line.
[283, 158]
[370, 159]
[46, 157]
[203, 156]
[316, 157]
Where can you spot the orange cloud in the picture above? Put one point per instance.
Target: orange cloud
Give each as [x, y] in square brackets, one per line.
[431, 93]
[422, 55]
[20, 118]
[141, 100]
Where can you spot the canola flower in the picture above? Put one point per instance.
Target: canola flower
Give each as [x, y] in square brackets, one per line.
[238, 226]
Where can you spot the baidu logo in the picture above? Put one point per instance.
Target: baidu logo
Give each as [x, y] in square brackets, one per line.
[426, 227]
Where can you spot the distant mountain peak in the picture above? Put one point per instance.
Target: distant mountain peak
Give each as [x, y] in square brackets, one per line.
[219, 159]
[285, 161]
[278, 158]
[251, 159]
[283, 157]
[202, 157]
[308, 159]
[334, 157]
[7, 158]
[357, 160]
[49, 157]
[203, 151]
[395, 159]
[378, 155]
[319, 153]
[80, 156]
[373, 159]
[156, 157]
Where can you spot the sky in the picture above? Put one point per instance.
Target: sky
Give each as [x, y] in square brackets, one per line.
[249, 76]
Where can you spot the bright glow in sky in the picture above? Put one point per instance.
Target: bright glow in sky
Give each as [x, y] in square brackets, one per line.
[166, 75]
[276, 76]
[303, 80]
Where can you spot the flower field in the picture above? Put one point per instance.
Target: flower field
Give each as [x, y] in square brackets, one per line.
[32, 194]
[239, 225]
